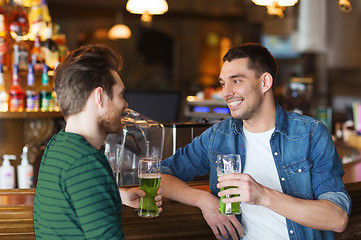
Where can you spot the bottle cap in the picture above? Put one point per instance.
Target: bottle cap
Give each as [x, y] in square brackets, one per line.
[7, 159]
[24, 156]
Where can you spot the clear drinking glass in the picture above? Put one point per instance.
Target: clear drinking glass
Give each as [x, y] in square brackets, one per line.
[114, 153]
[228, 163]
[149, 181]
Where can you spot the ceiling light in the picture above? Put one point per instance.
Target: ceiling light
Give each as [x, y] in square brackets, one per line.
[281, 3]
[119, 31]
[147, 8]
[275, 7]
[152, 7]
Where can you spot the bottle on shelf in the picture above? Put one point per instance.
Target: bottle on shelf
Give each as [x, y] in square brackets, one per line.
[4, 97]
[32, 95]
[16, 93]
[20, 54]
[35, 19]
[45, 12]
[45, 93]
[56, 104]
[4, 43]
[35, 57]
[25, 171]
[7, 173]
[18, 21]
[50, 49]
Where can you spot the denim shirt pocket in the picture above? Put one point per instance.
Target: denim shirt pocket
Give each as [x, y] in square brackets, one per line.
[299, 176]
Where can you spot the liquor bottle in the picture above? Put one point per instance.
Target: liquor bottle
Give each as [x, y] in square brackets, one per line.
[20, 54]
[4, 98]
[45, 12]
[35, 19]
[50, 50]
[18, 22]
[32, 95]
[56, 103]
[35, 56]
[16, 93]
[4, 43]
[45, 95]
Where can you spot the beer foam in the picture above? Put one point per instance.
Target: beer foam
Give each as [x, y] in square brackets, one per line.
[149, 176]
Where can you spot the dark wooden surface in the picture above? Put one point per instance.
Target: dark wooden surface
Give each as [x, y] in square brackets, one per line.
[176, 222]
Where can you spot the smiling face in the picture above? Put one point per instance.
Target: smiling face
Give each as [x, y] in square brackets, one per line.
[241, 89]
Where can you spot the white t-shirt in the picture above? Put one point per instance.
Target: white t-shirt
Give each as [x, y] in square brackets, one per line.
[259, 222]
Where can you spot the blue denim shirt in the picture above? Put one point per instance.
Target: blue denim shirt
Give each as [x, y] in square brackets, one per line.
[306, 159]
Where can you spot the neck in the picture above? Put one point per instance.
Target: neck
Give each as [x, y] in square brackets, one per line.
[86, 126]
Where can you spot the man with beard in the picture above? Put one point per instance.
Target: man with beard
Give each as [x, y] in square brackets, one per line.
[291, 182]
[76, 195]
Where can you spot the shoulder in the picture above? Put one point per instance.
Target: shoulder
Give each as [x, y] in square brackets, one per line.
[295, 125]
[71, 149]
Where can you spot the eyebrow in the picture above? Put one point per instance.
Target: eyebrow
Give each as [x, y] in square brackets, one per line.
[238, 75]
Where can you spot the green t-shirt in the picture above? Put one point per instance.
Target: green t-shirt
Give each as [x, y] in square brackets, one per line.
[76, 195]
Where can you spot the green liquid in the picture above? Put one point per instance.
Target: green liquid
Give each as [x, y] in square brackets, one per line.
[229, 208]
[150, 185]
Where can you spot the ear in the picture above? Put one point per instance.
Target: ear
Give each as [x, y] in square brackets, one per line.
[98, 95]
[267, 81]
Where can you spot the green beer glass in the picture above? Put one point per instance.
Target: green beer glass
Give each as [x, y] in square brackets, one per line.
[228, 163]
[149, 180]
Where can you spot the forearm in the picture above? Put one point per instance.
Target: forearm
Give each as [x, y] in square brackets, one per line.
[316, 214]
[177, 190]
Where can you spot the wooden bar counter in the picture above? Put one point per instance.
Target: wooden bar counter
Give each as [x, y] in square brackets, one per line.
[176, 222]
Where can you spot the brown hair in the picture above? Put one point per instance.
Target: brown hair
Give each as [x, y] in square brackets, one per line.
[260, 59]
[82, 71]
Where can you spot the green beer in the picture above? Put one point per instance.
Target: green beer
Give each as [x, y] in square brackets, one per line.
[229, 208]
[149, 183]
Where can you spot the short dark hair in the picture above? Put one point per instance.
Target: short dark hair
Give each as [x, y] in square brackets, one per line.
[81, 72]
[260, 59]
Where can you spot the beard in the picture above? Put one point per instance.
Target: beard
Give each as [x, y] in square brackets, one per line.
[248, 111]
[110, 123]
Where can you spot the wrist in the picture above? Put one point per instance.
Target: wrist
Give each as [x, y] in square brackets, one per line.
[268, 197]
[202, 197]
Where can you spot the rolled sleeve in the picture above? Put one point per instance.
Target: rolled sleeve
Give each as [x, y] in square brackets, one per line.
[165, 169]
[342, 199]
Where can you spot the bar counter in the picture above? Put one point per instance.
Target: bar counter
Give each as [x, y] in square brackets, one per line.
[176, 222]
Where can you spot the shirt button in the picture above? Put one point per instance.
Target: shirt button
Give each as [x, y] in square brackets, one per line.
[291, 231]
[299, 170]
[276, 153]
[283, 179]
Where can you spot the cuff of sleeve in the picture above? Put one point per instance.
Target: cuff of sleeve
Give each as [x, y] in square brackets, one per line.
[166, 170]
[342, 199]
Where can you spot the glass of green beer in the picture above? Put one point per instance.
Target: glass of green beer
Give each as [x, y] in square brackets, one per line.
[228, 163]
[149, 180]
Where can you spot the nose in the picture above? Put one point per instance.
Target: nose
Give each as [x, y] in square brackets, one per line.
[227, 92]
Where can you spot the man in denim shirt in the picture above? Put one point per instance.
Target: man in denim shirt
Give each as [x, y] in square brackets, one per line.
[291, 182]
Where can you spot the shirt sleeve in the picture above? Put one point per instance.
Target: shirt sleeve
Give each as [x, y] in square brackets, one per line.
[92, 192]
[327, 170]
